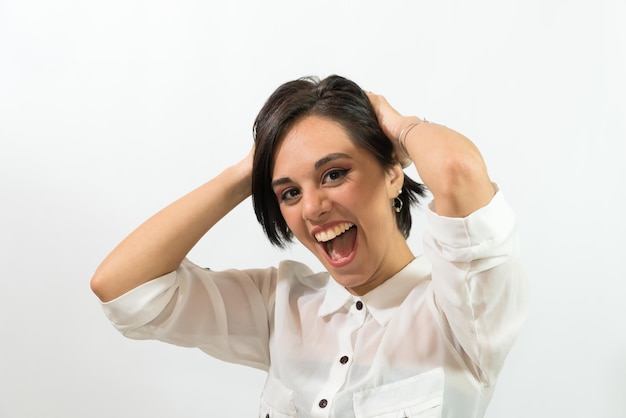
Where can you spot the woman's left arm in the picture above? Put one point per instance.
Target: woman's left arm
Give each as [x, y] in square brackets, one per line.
[479, 286]
[447, 162]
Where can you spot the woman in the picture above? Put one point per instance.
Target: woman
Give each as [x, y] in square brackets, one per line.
[381, 332]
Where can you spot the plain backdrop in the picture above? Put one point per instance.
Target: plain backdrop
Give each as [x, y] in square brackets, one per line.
[111, 110]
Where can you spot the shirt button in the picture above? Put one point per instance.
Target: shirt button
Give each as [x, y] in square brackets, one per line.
[359, 305]
[267, 415]
[323, 403]
[343, 360]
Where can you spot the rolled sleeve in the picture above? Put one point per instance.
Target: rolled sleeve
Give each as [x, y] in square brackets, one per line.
[225, 313]
[479, 285]
[141, 305]
[476, 236]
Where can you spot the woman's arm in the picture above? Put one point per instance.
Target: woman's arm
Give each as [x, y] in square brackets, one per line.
[480, 289]
[160, 244]
[448, 163]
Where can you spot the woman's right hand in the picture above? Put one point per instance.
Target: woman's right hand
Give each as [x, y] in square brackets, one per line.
[246, 167]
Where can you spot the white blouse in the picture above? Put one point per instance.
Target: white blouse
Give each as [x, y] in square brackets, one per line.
[429, 342]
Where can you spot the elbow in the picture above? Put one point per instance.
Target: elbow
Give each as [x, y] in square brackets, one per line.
[462, 185]
[98, 285]
[462, 171]
[101, 286]
[111, 281]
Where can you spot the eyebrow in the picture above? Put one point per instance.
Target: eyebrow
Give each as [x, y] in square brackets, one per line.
[319, 163]
[330, 157]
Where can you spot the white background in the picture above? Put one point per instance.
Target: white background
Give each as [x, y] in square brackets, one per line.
[110, 110]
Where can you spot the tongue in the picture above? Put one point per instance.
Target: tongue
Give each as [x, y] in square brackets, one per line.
[342, 246]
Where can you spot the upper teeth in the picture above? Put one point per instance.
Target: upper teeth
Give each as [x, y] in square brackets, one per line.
[333, 232]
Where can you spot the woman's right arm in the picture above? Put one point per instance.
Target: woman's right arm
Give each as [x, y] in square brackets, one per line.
[160, 244]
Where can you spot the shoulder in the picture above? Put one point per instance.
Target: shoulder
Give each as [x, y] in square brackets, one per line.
[297, 274]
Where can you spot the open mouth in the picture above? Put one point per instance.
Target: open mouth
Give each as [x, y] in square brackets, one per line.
[338, 242]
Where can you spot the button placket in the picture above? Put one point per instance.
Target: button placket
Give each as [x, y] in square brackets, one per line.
[340, 367]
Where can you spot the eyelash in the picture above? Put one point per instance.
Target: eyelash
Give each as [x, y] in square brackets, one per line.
[341, 171]
[291, 193]
[284, 195]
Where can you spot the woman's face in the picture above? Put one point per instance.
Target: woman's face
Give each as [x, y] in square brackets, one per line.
[336, 199]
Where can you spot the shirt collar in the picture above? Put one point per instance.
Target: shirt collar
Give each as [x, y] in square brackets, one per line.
[336, 297]
[382, 301]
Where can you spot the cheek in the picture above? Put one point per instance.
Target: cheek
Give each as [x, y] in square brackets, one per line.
[379, 212]
[292, 217]
[371, 197]
[285, 214]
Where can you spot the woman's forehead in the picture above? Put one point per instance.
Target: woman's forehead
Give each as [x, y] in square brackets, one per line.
[310, 140]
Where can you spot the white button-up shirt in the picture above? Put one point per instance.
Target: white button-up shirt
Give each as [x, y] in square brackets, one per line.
[429, 342]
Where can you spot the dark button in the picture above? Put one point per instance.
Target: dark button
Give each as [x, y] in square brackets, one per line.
[267, 415]
[323, 403]
[343, 360]
[359, 305]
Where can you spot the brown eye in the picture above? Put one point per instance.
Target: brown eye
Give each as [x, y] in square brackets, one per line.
[289, 194]
[334, 175]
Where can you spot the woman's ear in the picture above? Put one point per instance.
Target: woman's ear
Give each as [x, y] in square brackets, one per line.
[395, 180]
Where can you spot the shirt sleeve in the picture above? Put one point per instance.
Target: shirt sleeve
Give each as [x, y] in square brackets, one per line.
[226, 314]
[480, 289]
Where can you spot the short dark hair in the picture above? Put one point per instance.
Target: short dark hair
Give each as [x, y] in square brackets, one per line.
[335, 98]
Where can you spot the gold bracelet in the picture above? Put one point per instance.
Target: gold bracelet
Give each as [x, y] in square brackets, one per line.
[404, 132]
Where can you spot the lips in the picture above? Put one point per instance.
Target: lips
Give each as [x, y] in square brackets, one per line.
[332, 233]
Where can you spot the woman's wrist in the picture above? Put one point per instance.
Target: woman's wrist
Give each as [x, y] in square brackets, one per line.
[241, 173]
[404, 127]
[402, 124]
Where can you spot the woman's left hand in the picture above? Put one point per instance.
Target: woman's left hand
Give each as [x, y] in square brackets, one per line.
[447, 162]
[392, 123]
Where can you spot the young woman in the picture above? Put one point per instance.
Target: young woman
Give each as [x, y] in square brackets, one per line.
[382, 332]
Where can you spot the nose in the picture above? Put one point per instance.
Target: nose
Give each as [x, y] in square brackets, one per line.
[314, 205]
